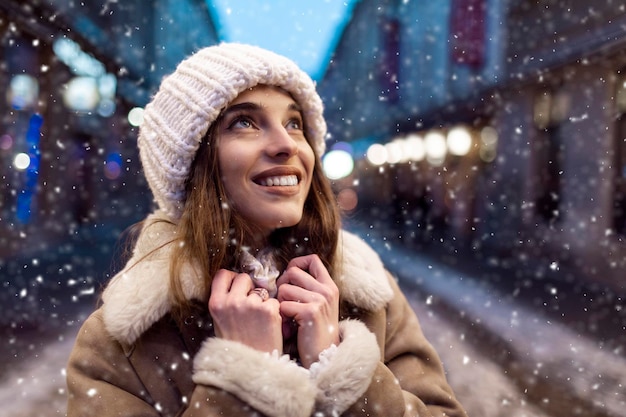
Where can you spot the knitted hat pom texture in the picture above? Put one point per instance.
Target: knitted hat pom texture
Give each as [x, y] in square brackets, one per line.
[191, 98]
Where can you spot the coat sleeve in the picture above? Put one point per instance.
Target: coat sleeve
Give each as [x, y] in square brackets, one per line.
[415, 364]
[405, 379]
[270, 383]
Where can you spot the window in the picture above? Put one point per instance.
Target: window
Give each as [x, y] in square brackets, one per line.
[467, 32]
[550, 110]
[548, 151]
[619, 192]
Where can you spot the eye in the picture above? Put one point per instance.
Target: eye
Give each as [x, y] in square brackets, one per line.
[240, 122]
[295, 123]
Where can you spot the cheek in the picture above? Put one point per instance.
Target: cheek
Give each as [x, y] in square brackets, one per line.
[228, 178]
[231, 181]
[229, 164]
[308, 158]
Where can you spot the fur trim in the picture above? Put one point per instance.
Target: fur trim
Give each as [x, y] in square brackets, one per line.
[347, 373]
[363, 278]
[138, 296]
[274, 385]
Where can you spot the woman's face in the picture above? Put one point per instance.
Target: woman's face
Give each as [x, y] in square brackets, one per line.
[265, 161]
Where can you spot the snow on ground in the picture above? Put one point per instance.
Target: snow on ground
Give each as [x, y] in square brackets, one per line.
[36, 386]
[524, 356]
[478, 382]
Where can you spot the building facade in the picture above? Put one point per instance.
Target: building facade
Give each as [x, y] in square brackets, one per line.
[72, 73]
[537, 87]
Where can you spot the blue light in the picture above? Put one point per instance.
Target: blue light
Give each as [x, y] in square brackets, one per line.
[113, 166]
[25, 197]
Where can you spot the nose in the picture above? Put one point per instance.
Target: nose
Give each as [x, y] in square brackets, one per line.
[281, 143]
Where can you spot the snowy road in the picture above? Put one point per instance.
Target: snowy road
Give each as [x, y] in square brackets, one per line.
[36, 386]
[503, 357]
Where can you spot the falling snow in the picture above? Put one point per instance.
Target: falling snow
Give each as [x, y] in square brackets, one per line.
[512, 252]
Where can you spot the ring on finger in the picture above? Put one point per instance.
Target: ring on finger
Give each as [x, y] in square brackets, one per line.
[261, 292]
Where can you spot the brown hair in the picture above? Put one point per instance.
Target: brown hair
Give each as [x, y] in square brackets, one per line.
[211, 236]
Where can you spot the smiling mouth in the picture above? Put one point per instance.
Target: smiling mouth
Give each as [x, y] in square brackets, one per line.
[278, 181]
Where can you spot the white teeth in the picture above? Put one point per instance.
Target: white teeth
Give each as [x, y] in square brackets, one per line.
[284, 180]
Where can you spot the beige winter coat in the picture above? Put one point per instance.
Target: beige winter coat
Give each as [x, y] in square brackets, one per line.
[132, 359]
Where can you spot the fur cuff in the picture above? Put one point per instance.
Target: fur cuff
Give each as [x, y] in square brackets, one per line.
[275, 386]
[346, 372]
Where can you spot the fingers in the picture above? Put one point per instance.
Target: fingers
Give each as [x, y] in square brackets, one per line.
[242, 285]
[244, 314]
[311, 264]
[307, 292]
[295, 293]
[225, 282]
[311, 299]
[229, 289]
[308, 272]
[261, 292]
[222, 281]
[308, 299]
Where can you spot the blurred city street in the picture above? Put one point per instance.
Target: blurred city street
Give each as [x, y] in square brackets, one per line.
[503, 357]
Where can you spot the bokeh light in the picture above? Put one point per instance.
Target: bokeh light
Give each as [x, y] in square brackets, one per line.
[376, 154]
[395, 151]
[6, 142]
[81, 94]
[338, 164]
[21, 161]
[347, 199]
[415, 147]
[435, 146]
[23, 91]
[135, 116]
[459, 141]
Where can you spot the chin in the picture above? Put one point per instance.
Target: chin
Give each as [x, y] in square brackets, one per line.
[282, 223]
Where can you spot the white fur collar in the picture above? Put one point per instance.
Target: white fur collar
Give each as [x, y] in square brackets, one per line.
[138, 296]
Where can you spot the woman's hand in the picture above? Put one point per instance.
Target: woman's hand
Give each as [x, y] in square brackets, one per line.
[243, 316]
[309, 296]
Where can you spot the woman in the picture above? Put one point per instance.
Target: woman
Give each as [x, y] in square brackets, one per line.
[243, 296]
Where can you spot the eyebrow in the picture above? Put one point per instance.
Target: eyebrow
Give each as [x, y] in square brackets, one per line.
[241, 106]
[249, 106]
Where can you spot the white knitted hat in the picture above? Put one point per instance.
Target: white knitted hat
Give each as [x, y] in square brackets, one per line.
[192, 97]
